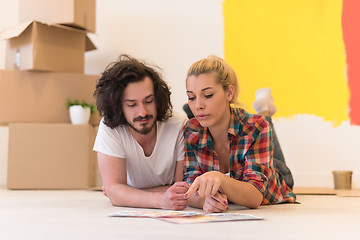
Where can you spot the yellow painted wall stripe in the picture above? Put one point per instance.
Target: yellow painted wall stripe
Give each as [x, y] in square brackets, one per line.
[294, 47]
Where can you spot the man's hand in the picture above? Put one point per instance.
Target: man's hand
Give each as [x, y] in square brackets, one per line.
[103, 190]
[173, 198]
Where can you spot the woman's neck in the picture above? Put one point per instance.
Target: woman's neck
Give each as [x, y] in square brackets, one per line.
[219, 132]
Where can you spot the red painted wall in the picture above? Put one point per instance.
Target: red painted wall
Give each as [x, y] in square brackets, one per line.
[351, 35]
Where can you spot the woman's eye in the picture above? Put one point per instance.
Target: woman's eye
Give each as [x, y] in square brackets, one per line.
[132, 105]
[209, 95]
[149, 101]
[191, 98]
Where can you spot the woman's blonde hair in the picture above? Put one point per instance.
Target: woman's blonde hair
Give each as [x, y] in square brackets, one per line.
[225, 75]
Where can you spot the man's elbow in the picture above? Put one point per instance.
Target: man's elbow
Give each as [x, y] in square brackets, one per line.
[112, 193]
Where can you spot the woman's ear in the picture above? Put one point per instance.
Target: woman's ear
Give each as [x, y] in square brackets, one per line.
[230, 92]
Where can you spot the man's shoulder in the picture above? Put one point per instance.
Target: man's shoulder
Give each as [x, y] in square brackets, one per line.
[122, 129]
[175, 119]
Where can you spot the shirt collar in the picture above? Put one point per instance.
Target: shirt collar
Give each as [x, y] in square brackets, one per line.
[235, 127]
[237, 121]
[205, 139]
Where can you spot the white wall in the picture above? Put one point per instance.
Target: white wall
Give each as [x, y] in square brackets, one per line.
[174, 33]
[314, 148]
[8, 17]
[4, 136]
[169, 33]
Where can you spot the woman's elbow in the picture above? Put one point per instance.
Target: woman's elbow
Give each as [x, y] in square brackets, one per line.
[256, 200]
[255, 204]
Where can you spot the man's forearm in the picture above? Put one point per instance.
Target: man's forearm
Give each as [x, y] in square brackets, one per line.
[165, 197]
[126, 196]
[157, 189]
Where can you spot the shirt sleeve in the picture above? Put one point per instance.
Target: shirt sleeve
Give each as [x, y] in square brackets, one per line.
[180, 154]
[191, 166]
[257, 167]
[108, 141]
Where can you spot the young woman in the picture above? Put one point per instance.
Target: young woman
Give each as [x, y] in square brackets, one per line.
[229, 153]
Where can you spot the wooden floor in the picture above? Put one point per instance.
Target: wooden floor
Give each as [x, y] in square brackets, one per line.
[84, 215]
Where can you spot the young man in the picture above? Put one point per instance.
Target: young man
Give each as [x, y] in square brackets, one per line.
[140, 141]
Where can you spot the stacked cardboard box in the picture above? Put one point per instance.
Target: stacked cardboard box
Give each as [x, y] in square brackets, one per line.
[51, 156]
[39, 97]
[74, 13]
[44, 66]
[38, 46]
[51, 36]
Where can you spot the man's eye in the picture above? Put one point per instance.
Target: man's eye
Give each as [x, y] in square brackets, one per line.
[209, 95]
[191, 98]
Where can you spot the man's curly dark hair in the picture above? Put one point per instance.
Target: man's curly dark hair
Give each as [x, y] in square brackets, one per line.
[113, 81]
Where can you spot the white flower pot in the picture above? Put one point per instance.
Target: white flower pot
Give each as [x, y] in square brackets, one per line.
[79, 114]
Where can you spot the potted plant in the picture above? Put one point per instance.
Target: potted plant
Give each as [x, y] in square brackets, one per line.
[79, 111]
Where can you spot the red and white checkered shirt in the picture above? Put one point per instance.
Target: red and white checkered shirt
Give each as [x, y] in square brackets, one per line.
[251, 155]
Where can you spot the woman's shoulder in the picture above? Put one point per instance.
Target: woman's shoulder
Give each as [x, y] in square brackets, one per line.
[193, 125]
[249, 122]
[192, 131]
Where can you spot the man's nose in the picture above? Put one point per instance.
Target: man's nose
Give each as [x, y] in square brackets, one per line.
[142, 110]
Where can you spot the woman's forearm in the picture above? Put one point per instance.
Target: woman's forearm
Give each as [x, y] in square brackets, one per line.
[196, 201]
[241, 193]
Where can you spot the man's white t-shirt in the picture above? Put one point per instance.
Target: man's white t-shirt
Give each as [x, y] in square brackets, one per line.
[145, 172]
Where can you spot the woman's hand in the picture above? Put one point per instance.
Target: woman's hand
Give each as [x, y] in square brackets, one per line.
[206, 185]
[216, 204]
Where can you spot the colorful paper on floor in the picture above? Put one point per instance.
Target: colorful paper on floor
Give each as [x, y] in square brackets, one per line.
[154, 214]
[186, 217]
[213, 217]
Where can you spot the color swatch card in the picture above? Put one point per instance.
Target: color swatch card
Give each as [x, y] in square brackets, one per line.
[187, 217]
[213, 217]
[154, 214]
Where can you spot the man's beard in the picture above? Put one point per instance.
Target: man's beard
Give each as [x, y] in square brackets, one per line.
[144, 130]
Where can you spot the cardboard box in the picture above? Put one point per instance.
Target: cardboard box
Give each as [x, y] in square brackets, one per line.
[75, 13]
[38, 46]
[40, 97]
[4, 144]
[51, 156]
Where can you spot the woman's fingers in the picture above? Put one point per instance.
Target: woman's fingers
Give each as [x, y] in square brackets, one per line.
[213, 205]
[221, 198]
[192, 189]
[205, 185]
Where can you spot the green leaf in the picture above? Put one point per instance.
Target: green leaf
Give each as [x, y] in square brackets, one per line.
[84, 104]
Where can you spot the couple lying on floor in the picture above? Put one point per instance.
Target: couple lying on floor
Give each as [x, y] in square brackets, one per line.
[151, 157]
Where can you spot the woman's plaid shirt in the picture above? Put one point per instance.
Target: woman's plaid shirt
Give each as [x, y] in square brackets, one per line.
[251, 155]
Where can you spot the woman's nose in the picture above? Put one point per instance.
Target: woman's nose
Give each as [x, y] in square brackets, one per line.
[199, 104]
